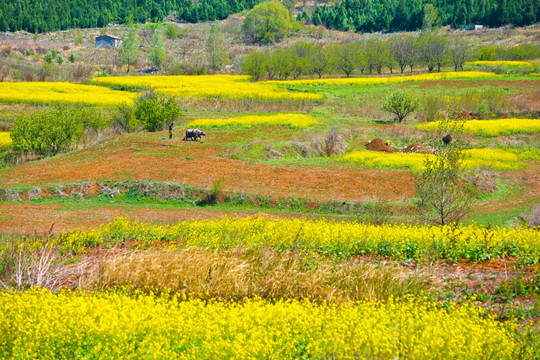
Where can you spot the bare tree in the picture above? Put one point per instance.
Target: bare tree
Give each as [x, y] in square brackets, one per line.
[403, 49]
[215, 48]
[458, 51]
[446, 196]
[432, 50]
[128, 53]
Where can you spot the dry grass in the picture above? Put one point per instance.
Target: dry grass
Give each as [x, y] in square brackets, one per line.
[242, 272]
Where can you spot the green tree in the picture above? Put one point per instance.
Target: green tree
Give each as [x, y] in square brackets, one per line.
[320, 60]
[432, 50]
[157, 52]
[267, 22]
[431, 17]
[445, 194]
[254, 64]
[215, 48]
[400, 104]
[346, 57]
[52, 131]
[128, 52]
[154, 112]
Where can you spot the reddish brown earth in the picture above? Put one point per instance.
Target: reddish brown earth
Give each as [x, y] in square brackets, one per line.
[40, 219]
[152, 157]
[378, 144]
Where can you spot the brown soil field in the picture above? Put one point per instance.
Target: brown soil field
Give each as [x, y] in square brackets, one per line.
[40, 219]
[152, 157]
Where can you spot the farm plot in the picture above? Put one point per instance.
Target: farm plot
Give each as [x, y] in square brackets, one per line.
[63, 93]
[290, 120]
[39, 323]
[493, 128]
[390, 79]
[208, 86]
[497, 159]
[400, 241]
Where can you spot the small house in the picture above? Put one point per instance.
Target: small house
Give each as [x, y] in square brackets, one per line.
[108, 41]
[472, 27]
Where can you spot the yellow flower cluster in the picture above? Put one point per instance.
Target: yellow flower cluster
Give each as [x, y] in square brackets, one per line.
[389, 79]
[499, 63]
[208, 86]
[5, 139]
[401, 241]
[291, 120]
[492, 128]
[40, 324]
[63, 92]
[498, 159]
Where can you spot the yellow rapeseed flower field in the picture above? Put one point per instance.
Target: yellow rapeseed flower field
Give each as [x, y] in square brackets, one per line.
[63, 92]
[5, 139]
[291, 120]
[389, 79]
[401, 241]
[40, 324]
[497, 159]
[208, 86]
[498, 63]
[492, 128]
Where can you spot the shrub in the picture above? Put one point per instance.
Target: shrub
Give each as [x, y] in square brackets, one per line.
[48, 58]
[154, 112]
[400, 104]
[170, 31]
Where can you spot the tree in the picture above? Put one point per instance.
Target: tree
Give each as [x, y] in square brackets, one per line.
[254, 64]
[346, 58]
[431, 17]
[320, 60]
[432, 50]
[128, 52]
[445, 194]
[458, 51]
[157, 52]
[377, 54]
[400, 104]
[403, 50]
[215, 48]
[267, 22]
[154, 112]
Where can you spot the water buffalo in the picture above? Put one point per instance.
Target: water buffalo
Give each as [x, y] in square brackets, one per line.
[193, 134]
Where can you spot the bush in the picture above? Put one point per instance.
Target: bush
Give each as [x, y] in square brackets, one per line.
[400, 104]
[170, 31]
[51, 131]
[267, 22]
[154, 112]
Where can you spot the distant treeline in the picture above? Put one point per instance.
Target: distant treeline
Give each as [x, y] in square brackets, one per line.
[408, 15]
[398, 53]
[49, 15]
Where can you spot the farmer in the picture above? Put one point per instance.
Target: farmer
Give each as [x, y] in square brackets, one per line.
[171, 129]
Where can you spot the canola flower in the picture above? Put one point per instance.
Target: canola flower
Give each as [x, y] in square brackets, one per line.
[63, 92]
[492, 128]
[499, 63]
[388, 79]
[208, 86]
[5, 139]
[40, 324]
[290, 120]
[498, 159]
[399, 241]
